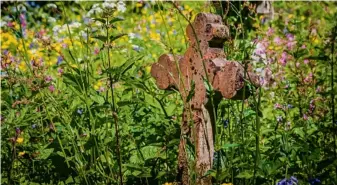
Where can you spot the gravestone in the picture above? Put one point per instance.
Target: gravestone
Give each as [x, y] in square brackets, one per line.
[204, 60]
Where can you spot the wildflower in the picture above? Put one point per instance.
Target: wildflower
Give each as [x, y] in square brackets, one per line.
[277, 106]
[79, 111]
[19, 140]
[277, 40]
[51, 5]
[96, 51]
[51, 88]
[283, 59]
[98, 85]
[108, 5]
[279, 118]
[34, 126]
[297, 64]
[290, 106]
[168, 183]
[17, 131]
[291, 181]
[318, 89]
[60, 71]
[59, 60]
[290, 37]
[227, 184]
[306, 61]
[305, 117]
[303, 46]
[136, 47]
[121, 6]
[314, 181]
[20, 154]
[270, 31]
[48, 79]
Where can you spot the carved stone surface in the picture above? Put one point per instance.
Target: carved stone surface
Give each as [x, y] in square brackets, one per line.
[204, 59]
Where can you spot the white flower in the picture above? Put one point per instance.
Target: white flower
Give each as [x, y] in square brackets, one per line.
[2, 23]
[109, 5]
[56, 28]
[51, 5]
[51, 19]
[75, 25]
[121, 6]
[95, 6]
[84, 34]
[132, 35]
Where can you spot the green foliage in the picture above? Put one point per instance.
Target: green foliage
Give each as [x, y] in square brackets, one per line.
[79, 106]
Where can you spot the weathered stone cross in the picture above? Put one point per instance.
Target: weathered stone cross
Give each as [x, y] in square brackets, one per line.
[204, 59]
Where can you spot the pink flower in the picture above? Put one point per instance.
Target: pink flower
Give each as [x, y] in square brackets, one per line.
[277, 106]
[304, 46]
[270, 31]
[96, 51]
[48, 79]
[278, 40]
[297, 64]
[60, 71]
[290, 37]
[51, 88]
[306, 61]
[283, 59]
[305, 117]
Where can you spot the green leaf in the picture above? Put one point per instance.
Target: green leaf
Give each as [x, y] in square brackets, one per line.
[115, 37]
[98, 99]
[101, 38]
[230, 145]
[192, 92]
[44, 154]
[100, 20]
[116, 19]
[245, 175]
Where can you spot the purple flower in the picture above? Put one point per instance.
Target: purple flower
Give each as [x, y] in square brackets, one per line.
[17, 131]
[290, 37]
[34, 126]
[48, 79]
[291, 181]
[59, 60]
[278, 40]
[314, 181]
[60, 70]
[51, 88]
[306, 61]
[290, 106]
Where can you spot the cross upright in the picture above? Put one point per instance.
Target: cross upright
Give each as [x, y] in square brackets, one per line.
[204, 60]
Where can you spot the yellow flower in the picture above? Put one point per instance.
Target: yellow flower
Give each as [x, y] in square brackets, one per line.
[139, 5]
[227, 184]
[148, 69]
[22, 66]
[98, 85]
[21, 153]
[168, 183]
[19, 140]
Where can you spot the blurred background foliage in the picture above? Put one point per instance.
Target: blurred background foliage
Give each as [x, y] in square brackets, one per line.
[78, 105]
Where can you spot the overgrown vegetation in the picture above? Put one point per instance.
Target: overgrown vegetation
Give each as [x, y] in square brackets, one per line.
[79, 106]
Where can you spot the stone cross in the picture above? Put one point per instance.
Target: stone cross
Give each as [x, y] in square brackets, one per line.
[203, 60]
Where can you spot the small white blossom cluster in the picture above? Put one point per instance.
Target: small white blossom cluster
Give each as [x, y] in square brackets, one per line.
[97, 8]
[64, 28]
